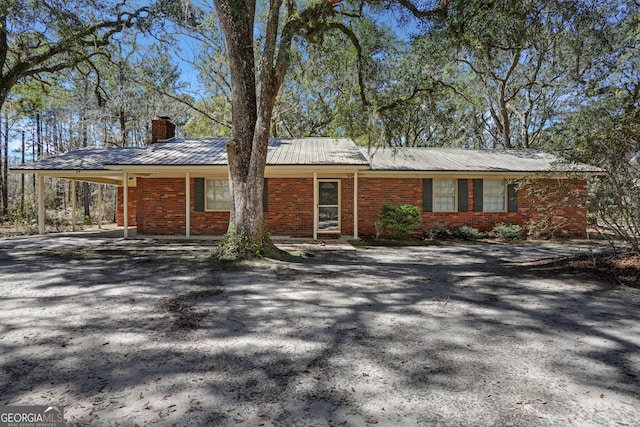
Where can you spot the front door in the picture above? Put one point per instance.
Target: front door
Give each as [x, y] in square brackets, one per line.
[328, 209]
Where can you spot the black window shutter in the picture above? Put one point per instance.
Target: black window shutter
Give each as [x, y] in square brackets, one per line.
[463, 195]
[427, 195]
[477, 195]
[198, 194]
[512, 191]
[265, 196]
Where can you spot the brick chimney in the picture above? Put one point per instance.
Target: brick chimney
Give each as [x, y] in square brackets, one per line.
[162, 128]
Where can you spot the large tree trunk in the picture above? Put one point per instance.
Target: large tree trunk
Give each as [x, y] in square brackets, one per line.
[251, 120]
[2, 180]
[85, 144]
[39, 135]
[5, 167]
[246, 172]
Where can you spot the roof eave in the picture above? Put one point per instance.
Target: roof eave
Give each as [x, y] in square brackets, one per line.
[87, 175]
[66, 171]
[133, 168]
[477, 172]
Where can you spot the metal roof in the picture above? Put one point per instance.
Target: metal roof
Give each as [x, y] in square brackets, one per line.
[314, 151]
[308, 152]
[282, 151]
[450, 159]
[174, 152]
[86, 159]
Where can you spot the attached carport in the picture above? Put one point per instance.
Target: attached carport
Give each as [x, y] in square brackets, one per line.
[83, 165]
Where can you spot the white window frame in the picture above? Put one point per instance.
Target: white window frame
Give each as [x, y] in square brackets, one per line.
[448, 195]
[486, 196]
[208, 182]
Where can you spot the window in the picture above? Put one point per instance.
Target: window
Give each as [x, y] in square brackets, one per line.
[218, 195]
[444, 195]
[493, 194]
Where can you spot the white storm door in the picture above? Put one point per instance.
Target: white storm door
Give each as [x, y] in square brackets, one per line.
[328, 209]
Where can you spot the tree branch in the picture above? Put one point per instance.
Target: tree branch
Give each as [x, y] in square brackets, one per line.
[71, 47]
[439, 12]
[356, 44]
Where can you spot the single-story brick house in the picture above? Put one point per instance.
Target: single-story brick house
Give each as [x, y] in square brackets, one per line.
[326, 187]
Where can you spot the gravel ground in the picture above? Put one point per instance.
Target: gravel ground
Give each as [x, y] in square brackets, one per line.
[484, 334]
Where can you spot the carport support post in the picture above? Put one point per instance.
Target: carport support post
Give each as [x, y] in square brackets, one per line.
[187, 224]
[40, 204]
[99, 206]
[74, 205]
[355, 205]
[125, 204]
[315, 206]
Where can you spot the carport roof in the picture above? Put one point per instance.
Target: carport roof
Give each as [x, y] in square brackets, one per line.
[85, 159]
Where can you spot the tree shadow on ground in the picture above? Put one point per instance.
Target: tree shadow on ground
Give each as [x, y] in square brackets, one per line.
[450, 335]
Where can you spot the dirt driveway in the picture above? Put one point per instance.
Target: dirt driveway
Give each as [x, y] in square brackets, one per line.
[468, 334]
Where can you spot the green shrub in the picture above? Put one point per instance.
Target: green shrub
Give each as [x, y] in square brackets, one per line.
[400, 220]
[592, 218]
[439, 233]
[467, 232]
[508, 232]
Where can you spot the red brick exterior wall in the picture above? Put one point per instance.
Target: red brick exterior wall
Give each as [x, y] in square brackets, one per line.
[133, 195]
[557, 205]
[346, 203]
[161, 207]
[205, 223]
[562, 202]
[374, 192]
[290, 207]
[162, 210]
[208, 223]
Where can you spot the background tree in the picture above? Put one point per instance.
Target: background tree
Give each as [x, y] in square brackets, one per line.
[39, 37]
[604, 127]
[43, 37]
[136, 83]
[522, 58]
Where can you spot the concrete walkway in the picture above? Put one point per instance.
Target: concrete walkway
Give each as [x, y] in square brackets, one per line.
[111, 237]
